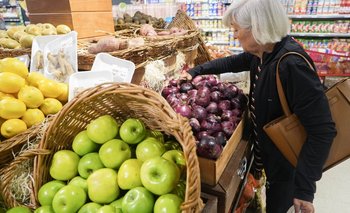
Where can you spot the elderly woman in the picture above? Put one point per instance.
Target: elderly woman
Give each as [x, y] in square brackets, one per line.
[262, 26]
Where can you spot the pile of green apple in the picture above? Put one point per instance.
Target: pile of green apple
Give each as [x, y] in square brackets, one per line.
[116, 168]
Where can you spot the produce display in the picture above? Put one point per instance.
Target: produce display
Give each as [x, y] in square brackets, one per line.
[213, 108]
[116, 167]
[148, 30]
[141, 18]
[111, 44]
[22, 36]
[26, 98]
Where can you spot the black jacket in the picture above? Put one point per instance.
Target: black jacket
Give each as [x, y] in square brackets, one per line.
[305, 97]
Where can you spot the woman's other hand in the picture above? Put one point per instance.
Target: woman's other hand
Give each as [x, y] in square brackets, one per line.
[303, 206]
[185, 76]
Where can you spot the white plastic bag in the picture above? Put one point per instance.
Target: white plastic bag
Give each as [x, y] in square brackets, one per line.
[60, 57]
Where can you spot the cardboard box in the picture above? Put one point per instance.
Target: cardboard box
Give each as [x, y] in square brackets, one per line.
[211, 170]
[68, 6]
[87, 24]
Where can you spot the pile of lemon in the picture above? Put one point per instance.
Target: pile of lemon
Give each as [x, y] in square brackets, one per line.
[26, 98]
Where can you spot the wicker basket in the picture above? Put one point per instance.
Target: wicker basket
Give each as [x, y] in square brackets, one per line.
[10, 147]
[181, 20]
[8, 53]
[121, 101]
[10, 172]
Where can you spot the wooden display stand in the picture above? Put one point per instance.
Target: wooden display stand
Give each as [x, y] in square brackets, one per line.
[228, 188]
[90, 18]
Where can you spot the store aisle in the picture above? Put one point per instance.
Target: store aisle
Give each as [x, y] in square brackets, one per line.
[333, 190]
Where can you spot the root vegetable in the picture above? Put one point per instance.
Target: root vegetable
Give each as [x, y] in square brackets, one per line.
[108, 44]
[162, 33]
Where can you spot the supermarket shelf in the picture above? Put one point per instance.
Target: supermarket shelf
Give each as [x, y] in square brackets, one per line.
[334, 75]
[321, 16]
[218, 42]
[12, 19]
[236, 49]
[214, 30]
[341, 35]
[206, 17]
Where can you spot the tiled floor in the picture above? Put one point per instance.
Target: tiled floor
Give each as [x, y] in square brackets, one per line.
[333, 190]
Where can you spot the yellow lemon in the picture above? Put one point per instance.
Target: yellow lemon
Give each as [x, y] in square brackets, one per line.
[64, 96]
[11, 83]
[33, 116]
[13, 127]
[5, 95]
[34, 78]
[31, 96]
[12, 108]
[14, 65]
[51, 106]
[50, 88]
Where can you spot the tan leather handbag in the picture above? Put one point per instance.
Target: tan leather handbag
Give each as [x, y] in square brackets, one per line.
[288, 134]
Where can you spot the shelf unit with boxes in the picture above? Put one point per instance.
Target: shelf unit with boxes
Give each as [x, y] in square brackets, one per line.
[11, 14]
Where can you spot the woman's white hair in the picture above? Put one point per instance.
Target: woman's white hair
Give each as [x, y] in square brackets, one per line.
[267, 19]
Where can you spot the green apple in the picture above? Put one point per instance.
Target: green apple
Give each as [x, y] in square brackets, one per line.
[79, 182]
[168, 203]
[82, 144]
[19, 209]
[106, 209]
[149, 148]
[89, 208]
[129, 174]
[159, 175]
[68, 199]
[48, 191]
[102, 129]
[103, 186]
[177, 157]
[137, 200]
[114, 152]
[117, 204]
[89, 163]
[64, 165]
[132, 131]
[44, 209]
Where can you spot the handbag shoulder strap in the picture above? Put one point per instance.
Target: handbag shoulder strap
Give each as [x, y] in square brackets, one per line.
[280, 91]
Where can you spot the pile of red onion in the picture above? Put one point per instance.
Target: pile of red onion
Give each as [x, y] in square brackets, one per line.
[213, 108]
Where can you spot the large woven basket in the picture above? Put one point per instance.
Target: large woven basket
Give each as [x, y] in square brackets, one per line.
[121, 101]
[20, 166]
[8, 53]
[10, 147]
[181, 20]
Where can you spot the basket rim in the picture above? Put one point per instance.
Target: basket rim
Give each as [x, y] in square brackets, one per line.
[176, 122]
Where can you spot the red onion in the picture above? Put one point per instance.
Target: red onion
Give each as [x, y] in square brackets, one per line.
[202, 134]
[221, 86]
[199, 112]
[184, 110]
[201, 84]
[230, 91]
[226, 115]
[182, 96]
[236, 112]
[212, 108]
[224, 105]
[173, 100]
[169, 90]
[196, 127]
[214, 88]
[212, 80]
[215, 96]
[213, 118]
[203, 97]
[186, 87]
[220, 138]
[209, 148]
[235, 103]
[197, 79]
[173, 82]
[228, 128]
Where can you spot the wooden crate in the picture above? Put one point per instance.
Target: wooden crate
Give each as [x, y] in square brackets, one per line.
[229, 187]
[211, 170]
[67, 6]
[210, 203]
[87, 24]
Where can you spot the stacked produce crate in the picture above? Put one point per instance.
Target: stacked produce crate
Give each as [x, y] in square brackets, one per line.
[90, 18]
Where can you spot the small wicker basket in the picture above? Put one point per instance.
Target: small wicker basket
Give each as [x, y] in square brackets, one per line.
[9, 53]
[121, 101]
